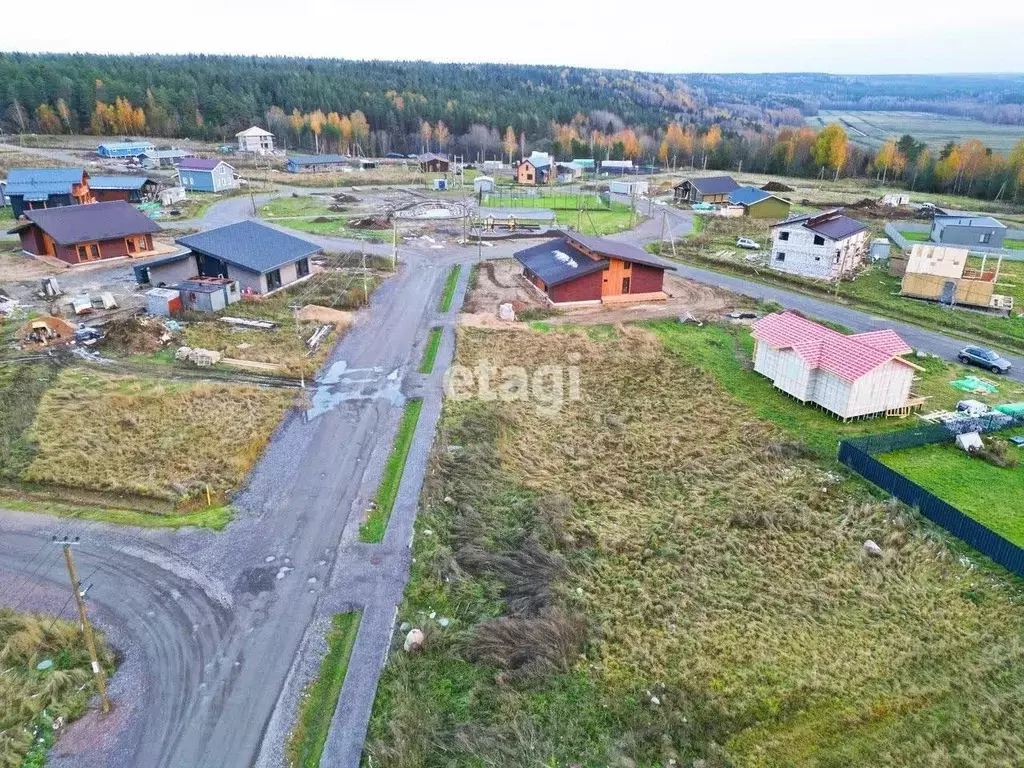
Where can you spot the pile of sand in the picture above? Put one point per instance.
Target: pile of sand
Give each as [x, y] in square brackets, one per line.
[314, 313]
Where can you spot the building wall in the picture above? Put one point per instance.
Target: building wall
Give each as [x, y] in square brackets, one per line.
[585, 288]
[223, 178]
[19, 206]
[175, 272]
[830, 392]
[248, 281]
[956, 234]
[884, 388]
[786, 369]
[106, 195]
[109, 249]
[646, 279]
[803, 257]
[769, 208]
[526, 173]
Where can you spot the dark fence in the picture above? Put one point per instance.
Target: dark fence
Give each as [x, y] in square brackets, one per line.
[926, 434]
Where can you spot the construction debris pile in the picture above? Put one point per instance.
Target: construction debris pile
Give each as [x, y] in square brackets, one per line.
[139, 335]
[204, 358]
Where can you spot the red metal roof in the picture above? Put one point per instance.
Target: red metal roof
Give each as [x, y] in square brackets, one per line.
[848, 357]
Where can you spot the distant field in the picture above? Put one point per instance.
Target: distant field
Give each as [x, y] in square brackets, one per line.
[872, 129]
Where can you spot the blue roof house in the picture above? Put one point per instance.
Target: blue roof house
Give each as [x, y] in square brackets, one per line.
[32, 188]
[124, 148]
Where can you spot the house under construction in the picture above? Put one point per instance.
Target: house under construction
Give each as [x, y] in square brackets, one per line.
[940, 273]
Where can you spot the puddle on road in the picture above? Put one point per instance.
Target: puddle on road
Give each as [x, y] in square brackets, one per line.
[254, 581]
[341, 384]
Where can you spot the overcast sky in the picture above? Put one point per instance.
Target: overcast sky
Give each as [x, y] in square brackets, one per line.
[871, 36]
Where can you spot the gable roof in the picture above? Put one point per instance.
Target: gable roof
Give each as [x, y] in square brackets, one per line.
[72, 224]
[250, 245]
[37, 184]
[712, 185]
[751, 196]
[200, 164]
[317, 159]
[616, 250]
[254, 131]
[833, 224]
[117, 182]
[848, 357]
[426, 157]
[558, 261]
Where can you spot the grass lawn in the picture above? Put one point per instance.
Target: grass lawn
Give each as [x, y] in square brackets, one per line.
[303, 205]
[430, 351]
[918, 237]
[658, 572]
[449, 288]
[372, 530]
[311, 214]
[320, 699]
[31, 699]
[151, 438]
[994, 496]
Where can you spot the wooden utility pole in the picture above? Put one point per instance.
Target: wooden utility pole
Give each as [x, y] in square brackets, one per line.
[97, 670]
[394, 245]
[661, 240]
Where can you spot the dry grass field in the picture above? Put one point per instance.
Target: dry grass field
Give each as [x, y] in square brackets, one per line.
[658, 573]
[151, 438]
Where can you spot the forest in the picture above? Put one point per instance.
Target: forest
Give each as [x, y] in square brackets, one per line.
[726, 121]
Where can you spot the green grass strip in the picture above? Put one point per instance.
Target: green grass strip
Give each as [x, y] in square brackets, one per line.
[320, 699]
[430, 353]
[372, 531]
[449, 287]
[215, 518]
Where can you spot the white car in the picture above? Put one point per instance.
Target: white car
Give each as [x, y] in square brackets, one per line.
[746, 242]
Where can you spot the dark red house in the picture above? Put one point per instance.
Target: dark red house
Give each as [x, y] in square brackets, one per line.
[81, 233]
[577, 268]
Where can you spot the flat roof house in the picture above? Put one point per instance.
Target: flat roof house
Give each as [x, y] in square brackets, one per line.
[758, 204]
[823, 246]
[163, 158]
[315, 163]
[132, 189]
[124, 148]
[261, 259]
[709, 189]
[198, 174]
[849, 376]
[968, 229]
[433, 163]
[81, 233]
[578, 269]
[256, 140]
[32, 188]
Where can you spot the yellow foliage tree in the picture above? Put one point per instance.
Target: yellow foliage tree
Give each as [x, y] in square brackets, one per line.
[47, 119]
[889, 158]
[442, 134]
[509, 143]
[360, 129]
[425, 133]
[315, 120]
[831, 148]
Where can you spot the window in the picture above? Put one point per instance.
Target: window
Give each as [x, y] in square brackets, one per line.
[88, 251]
[836, 260]
[625, 285]
[273, 280]
[819, 240]
[780, 256]
[986, 238]
[626, 266]
[302, 267]
[783, 235]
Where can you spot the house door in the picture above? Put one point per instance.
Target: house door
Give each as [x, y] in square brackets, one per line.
[948, 292]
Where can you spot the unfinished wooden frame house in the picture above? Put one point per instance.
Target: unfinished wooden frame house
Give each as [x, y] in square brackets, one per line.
[850, 376]
[940, 273]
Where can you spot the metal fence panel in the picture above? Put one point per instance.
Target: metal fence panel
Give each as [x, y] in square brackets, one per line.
[965, 528]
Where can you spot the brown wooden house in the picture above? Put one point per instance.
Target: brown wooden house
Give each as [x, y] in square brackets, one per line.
[431, 163]
[579, 269]
[83, 233]
[708, 189]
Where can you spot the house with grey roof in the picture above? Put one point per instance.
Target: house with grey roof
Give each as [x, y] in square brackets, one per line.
[32, 188]
[132, 189]
[83, 233]
[822, 246]
[708, 189]
[968, 229]
[576, 269]
[163, 158]
[260, 258]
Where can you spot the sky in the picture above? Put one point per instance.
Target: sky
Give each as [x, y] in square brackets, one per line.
[871, 37]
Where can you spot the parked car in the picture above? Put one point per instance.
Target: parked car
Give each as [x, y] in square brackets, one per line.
[984, 358]
[746, 242]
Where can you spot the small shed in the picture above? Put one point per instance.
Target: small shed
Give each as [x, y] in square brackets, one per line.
[172, 195]
[483, 184]
[879, 249]
[628, 187]
[163, 302]
[207, 294]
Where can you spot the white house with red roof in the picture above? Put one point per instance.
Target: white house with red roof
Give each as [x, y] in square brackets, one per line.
[851, 376]
[823, 246]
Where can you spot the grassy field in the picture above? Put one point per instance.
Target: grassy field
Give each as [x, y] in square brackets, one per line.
[872, 129]
[31, 699]
[372, 530]
[14, 159]
[451, 282]
[874, 289]
[147, 437]
[430, 351]
[598, 222]
[312, 214]
[658, 572]
[320, 699]
[994, 496]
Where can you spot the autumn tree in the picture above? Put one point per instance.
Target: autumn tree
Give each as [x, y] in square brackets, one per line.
[1016, 163]
[889, 159]
[425, 133]
[316, 120]
[297, 123]
[508, 143]
[711, 141]
[441, 134]
[360, 131]
[676, 141]
[64, 113]
[47, 120]
[663, 150]
[831, 148]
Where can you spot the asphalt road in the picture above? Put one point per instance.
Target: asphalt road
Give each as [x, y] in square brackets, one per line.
[220, 631]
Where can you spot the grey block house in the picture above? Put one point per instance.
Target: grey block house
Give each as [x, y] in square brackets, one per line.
[968, 230]
[821, 246]
[261, 259]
